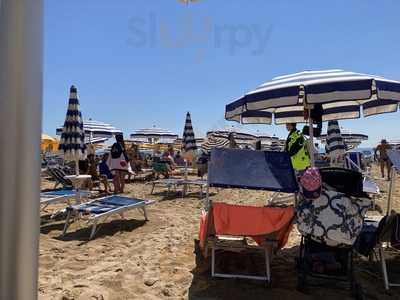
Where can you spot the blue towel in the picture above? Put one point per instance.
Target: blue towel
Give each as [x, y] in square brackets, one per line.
[60, 193]
[108, 204]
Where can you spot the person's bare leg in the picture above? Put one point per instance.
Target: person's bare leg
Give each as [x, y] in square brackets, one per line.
[122, 181]
[382, 163]
[388, 166]
[116, 183]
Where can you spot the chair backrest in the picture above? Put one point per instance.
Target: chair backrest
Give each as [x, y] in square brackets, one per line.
[58, 174]
[394, 157]
[346, 181]
[354, 161]
[250, 169]
[160, 167]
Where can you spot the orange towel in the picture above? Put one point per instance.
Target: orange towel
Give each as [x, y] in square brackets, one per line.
[256, 222]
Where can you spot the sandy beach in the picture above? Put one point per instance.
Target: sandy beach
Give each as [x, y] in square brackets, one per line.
[133, 259]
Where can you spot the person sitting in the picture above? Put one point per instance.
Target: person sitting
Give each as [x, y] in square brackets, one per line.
[179, 159]
[105, 173]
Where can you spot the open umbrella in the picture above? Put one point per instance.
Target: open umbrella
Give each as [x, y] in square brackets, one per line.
[338, 95]
[215, 141]
[72, 141]
[188, 140]
[95, 129]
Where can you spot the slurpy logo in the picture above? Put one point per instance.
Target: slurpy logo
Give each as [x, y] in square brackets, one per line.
[201, 34]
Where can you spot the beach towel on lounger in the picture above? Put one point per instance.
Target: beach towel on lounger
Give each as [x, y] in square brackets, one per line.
[259, 223]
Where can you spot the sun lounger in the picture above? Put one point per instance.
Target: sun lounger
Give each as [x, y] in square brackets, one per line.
[57, 196]
[353, 162]
[100, 209]
[231, 227]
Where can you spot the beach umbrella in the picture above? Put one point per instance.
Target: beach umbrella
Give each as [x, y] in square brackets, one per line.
[72, 141]
[334, 139]
[215, 141]
[188, 140]
[95, 129]
[154, 135]
[338, 94]
[350, 139]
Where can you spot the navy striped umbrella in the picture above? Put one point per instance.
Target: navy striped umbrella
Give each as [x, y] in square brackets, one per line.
[340, 93]
[72, 141]
[188, 140]
[215, 141]
[96, 129]
[334, 140]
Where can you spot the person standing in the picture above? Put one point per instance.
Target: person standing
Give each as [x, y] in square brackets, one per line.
[297, 148]
[118, 163]
[383, 158]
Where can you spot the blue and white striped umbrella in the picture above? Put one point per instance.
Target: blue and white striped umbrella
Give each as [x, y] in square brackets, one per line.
[215, 141]
[72, 141]
[341, 94]
[96, 129]
[188, 139]
[334, 140]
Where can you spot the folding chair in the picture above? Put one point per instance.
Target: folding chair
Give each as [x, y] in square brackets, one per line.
[100, 209]
[59, 176]
[268, 226]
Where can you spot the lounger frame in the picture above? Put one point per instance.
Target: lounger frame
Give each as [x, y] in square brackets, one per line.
[224, 243]
[94, 219]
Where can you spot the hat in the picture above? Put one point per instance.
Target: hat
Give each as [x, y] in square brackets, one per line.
[311, 183]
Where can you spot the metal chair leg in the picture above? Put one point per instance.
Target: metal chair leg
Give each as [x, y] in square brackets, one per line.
[92, 233]
[384, 269]
[67, 222]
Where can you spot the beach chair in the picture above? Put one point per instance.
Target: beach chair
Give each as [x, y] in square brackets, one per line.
[57, 196]
[233, 227]
[354, 161]
[58, 175]
[99, 210]
[329, 226]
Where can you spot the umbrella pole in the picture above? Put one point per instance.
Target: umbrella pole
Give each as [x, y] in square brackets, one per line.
[311, 132]
[391, 190]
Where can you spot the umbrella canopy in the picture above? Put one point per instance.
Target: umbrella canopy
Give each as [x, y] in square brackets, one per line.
[334, 141]
[340, 93]
[48, 143]
[215, 141]
[72, 141]
[96, 129]
[350, 139]
[153, 135]
[188, 140]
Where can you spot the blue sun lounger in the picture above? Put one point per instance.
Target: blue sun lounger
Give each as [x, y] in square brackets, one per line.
[100, 209]
[51, 197]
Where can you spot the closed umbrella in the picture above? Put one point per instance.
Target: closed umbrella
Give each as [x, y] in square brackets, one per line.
[188, 140]
[336, 149]
[72, 141]
[337, 94]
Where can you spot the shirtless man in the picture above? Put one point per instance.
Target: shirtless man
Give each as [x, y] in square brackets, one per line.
[383, 157]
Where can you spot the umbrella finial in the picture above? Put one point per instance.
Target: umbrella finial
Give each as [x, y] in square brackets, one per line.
[73, 89]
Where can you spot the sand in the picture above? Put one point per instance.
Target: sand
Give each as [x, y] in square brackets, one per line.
[133, 259]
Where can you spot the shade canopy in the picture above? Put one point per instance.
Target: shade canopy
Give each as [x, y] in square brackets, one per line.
[96, 129]
[342, 94]
[72, 141]
[215, 141]
[153, 135]
[188, 139]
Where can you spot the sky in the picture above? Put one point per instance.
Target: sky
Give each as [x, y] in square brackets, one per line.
[139, 64]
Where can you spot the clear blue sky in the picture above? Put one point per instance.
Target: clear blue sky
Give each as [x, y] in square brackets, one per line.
[140, 63]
